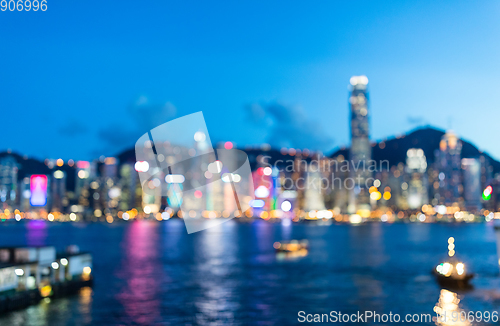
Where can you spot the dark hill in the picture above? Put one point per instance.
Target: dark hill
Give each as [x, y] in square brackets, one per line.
[427, 138]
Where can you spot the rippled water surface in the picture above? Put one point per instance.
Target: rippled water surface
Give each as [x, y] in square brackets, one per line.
[149, 273]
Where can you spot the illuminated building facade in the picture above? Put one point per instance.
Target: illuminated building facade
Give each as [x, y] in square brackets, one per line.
[360, 151]
[128, 185]
[416, 167]
[8, 180]
[58, 200]
[313, 194]
[448, 166]
[82, 184]
[472, 183]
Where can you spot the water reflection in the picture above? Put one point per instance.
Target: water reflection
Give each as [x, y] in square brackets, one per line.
[142, 270]
[36, 234]
[85, 305]
[215, 260]
[62, 311]
[448, 310]
[156, 274]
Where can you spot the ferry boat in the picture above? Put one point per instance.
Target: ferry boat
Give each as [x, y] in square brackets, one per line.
[453, 273]
[291, 246]
[291, 249]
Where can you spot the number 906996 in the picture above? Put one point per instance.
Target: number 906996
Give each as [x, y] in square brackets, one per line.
[23, 5]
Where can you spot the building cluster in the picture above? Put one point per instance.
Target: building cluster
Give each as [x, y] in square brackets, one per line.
[69, 190]
[293, 183]
[451, 185]
[354, 186]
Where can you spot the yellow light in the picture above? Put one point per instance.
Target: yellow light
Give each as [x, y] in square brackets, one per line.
[365, 213]
[86, 273]
[372, 189]
[59, 162]
[355, 219]
[46, 291]
[387, 195]
[451, 253]
[451, 240]
[375, 195]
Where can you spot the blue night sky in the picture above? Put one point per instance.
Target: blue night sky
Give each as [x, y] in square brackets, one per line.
[87, 78]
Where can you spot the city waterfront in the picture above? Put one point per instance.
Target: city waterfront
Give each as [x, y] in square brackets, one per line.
[150, 273]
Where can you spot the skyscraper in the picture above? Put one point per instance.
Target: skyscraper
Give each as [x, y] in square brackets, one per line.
[472, 183]
[416, 167]
[313, 193]
[360, 151]
[448, 164]
[8, 180]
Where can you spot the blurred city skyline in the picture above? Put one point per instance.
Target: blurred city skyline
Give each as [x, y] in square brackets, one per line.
[86, 79]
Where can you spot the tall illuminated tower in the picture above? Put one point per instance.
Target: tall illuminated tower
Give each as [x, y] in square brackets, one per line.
[360, 151]
[472, 183]
[448, 163]
[416, 168]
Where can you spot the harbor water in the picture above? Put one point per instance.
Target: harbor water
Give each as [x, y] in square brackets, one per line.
[152, 273]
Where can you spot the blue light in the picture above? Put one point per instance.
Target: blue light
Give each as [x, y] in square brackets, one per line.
[257, 203]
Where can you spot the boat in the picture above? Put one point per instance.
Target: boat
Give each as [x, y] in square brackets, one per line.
[291, 249]
[291, 246]
[453, 273]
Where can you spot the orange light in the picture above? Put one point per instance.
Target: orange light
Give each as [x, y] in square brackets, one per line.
[46, 291]
[86, 273]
